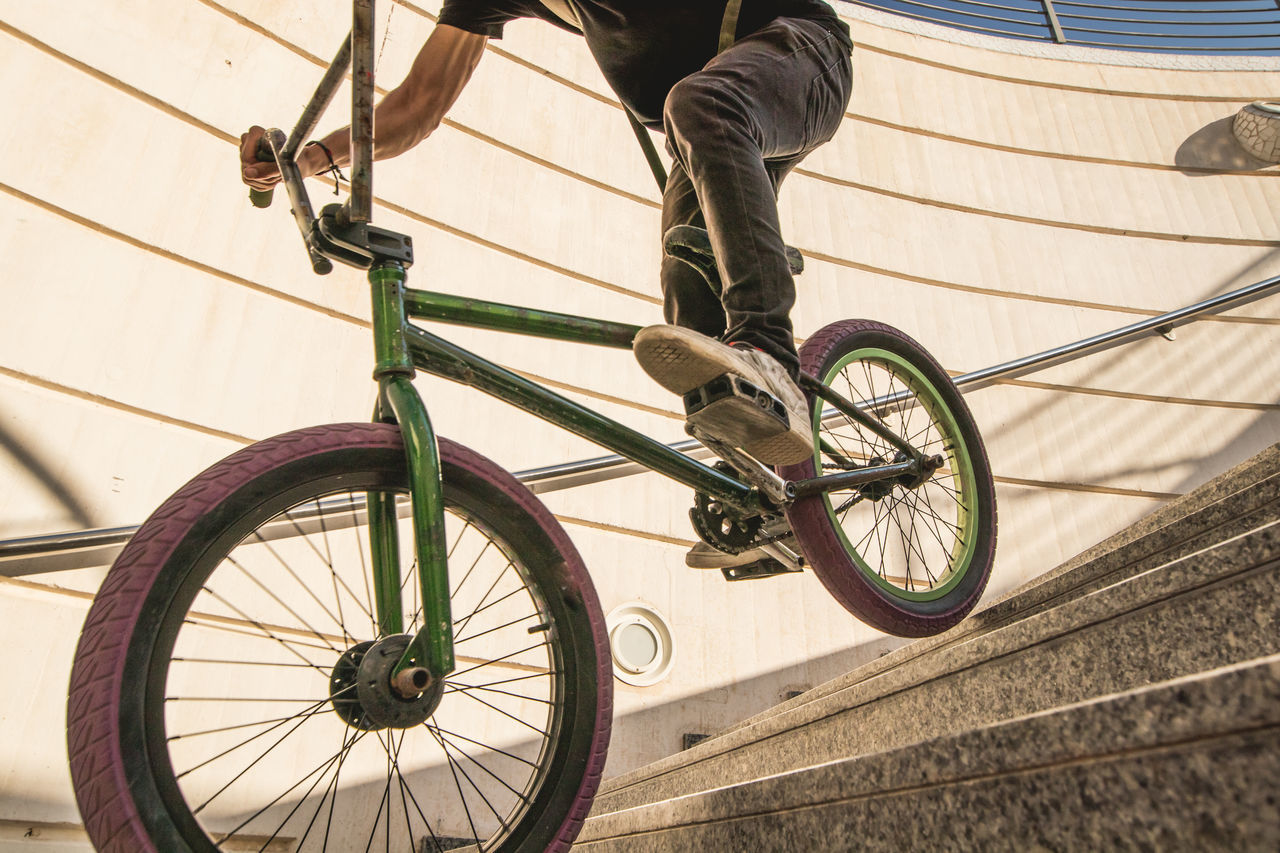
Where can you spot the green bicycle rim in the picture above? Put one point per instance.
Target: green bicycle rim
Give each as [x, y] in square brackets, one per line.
[959, 462]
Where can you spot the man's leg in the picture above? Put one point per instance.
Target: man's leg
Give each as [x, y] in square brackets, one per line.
[687, 298]
[734, 128]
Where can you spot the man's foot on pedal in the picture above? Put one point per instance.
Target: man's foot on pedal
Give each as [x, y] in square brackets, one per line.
[682, 360]
[703, 556]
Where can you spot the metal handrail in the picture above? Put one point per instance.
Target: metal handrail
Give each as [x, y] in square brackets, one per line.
[78, 549]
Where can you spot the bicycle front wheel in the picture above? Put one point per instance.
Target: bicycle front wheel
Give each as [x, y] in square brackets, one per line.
[225, 690]
[908, 558]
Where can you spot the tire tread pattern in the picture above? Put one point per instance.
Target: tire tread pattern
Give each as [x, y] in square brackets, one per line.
[825, 550]
[93, 735]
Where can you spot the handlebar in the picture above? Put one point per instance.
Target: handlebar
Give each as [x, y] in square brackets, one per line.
[341, 232]
[333, 235]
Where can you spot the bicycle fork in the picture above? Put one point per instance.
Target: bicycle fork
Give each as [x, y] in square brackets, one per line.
[429, 656]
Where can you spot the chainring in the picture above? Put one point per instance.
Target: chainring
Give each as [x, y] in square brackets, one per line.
[716, 525]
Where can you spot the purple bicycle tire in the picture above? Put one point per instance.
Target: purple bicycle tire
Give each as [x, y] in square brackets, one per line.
[98, 746]
[823, 545]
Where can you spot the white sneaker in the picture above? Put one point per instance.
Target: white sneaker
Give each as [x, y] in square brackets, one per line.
[681, 360]
[704, 556]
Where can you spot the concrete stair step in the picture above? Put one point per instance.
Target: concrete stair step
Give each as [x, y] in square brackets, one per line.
[1211, 608]
[1235, 503]
[1188, 764]
[1239, 500]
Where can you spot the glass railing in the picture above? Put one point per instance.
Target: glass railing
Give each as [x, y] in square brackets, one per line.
[1227, 27]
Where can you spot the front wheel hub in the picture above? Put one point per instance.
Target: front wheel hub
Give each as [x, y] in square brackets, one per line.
[362, 693]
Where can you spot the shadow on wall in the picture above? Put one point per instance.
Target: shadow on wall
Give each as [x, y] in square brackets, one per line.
[42, 474]
[1114, 365]
[1214, 147]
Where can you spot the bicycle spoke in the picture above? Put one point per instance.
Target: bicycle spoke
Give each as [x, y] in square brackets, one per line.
[488, 803]
[474, 563]
[237, 626]
[501, 574]
[333, 800]
[227, 662]
[315, 707]
[491, 706]
[943, 484]
[253, 764]
[406, 795]
[289, 569]
[487, 746]
[321, 768]
[505, 657]
[486, 607]
[264, 629]
[906, 546]
[931, 520]
[288, 609]
[365, 573]
[294, 810]
[330, 792]
[525, 618]
[546, 674]
[519, 794]
[224, 729]
[386, 793]
[909, 546]
[465, 688]
[333, 574]
[404, 802]
[853, 500]
[462, 798]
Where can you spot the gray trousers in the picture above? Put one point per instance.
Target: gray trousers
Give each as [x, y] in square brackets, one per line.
[736, 129]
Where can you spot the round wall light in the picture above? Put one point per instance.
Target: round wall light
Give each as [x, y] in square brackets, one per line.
[641, 644]
[1257, 129]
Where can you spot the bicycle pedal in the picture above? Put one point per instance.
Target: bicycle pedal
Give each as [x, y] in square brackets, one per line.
[729, 386]
[766, 568]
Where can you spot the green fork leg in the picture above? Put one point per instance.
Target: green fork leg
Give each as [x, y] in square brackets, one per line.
[384, 548]
[432, 647]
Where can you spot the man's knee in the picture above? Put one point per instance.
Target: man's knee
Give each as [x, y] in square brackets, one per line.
[699, 104]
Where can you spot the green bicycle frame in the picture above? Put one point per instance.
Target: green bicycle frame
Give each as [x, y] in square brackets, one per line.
[401, 347]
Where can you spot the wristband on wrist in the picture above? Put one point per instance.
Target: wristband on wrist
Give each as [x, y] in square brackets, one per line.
[333, 167]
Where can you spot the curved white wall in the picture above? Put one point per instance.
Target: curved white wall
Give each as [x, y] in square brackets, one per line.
[990, 198]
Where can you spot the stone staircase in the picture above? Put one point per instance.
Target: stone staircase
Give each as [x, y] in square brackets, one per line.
[1129, 699]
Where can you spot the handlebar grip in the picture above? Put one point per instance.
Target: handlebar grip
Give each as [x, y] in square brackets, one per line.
[262, 198]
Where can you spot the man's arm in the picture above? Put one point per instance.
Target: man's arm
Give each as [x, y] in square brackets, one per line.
[405, 117]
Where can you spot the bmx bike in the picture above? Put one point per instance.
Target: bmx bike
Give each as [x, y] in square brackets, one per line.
[266, 668]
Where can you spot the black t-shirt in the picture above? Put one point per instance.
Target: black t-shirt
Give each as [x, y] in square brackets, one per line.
[644, 47]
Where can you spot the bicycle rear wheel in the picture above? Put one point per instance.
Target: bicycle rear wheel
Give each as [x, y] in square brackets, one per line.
[907, 558]
[220, 695]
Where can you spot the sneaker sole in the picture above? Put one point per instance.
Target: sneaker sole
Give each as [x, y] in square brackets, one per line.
[739, 423]
[677, 365]
[674, 359]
